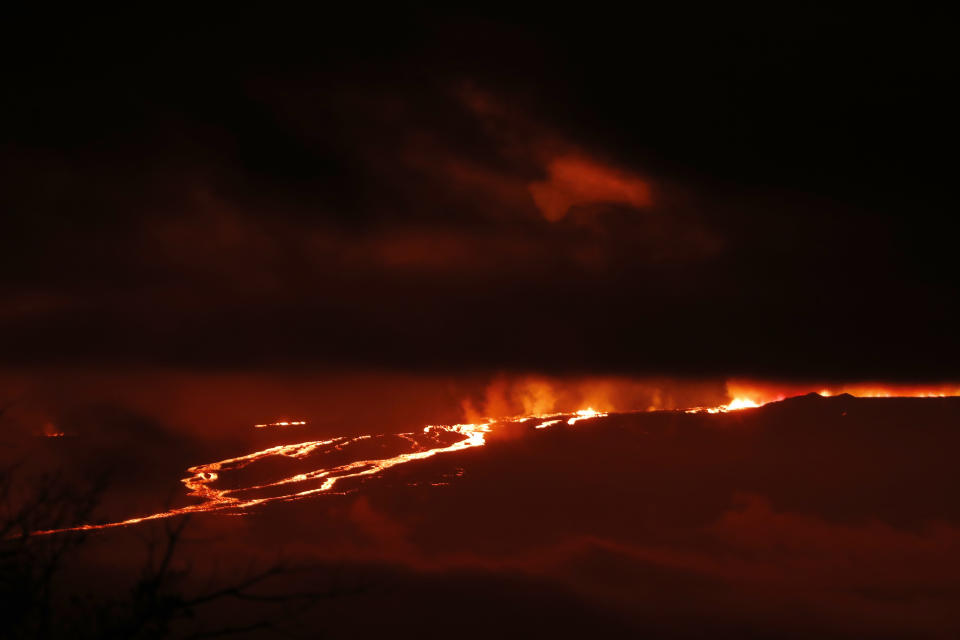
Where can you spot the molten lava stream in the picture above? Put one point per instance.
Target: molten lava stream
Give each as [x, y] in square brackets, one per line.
[405, 447]
[202, 482]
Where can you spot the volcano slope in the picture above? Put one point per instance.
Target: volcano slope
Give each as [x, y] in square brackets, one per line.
[811, 515]
[832, 516]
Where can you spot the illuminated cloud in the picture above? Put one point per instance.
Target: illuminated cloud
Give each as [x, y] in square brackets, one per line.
[577, 181]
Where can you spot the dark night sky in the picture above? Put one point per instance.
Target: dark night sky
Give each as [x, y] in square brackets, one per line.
[729, 192]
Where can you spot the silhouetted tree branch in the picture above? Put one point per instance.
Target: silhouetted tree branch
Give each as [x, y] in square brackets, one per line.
[157, 604]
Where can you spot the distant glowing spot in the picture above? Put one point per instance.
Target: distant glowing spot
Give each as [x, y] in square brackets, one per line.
[50, 431]
[283, 423]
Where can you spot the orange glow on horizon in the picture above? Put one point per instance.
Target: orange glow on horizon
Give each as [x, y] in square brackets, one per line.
[750, 395]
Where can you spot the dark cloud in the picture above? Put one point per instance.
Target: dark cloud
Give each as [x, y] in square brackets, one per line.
[674, 195]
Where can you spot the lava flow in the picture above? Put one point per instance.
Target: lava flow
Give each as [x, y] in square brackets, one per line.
[434, 440]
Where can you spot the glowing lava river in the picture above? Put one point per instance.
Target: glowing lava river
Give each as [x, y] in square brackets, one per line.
[433, 440]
